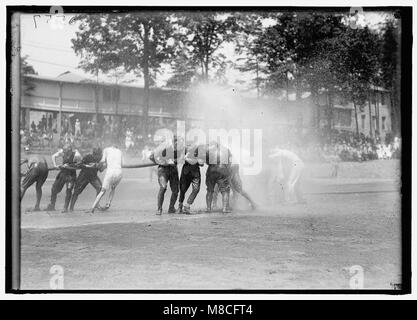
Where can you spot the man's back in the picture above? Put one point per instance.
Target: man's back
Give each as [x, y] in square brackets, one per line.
[113, 157]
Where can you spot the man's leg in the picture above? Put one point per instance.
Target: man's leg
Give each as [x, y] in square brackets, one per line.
[56, 188]
[224, 188]
[79, 187]
[115, 182]
[174, 185]
[110, 198]
[292, 180]
[184, 185]
[28, 180]
[236, 185]
[98, 198]
[105, 186]
[215, 196]
[68, 193]
[210, 183]
[43, 175]
[96, 183]
[298, 190]
[195, 183]
[163, 183]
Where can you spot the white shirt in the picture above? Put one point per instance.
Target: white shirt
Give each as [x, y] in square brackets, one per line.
[113, 158]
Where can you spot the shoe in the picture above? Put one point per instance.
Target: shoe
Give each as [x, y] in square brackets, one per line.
[180, 208]
[172, 210]
[64, 211]
[208, 210]
[50, 207]
[226, 210]
[107, 207]
[186, 210]
[159, 212]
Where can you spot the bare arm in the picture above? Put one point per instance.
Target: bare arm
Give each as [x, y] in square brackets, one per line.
[77, 157]
[56, 155]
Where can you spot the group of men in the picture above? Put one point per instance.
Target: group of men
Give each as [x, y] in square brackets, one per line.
[222, 175]
[89, 166]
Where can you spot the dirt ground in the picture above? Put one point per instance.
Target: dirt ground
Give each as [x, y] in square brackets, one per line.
[345, 222]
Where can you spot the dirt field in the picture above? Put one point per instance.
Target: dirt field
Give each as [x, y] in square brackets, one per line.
[346, 222]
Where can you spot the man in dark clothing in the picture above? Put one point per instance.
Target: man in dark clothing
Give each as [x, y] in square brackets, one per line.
[88, 175]
[66, 176]
[166, 157]
[190, 175]
[218, 159]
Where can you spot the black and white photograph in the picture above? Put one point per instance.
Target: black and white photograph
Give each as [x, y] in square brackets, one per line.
[209, 149]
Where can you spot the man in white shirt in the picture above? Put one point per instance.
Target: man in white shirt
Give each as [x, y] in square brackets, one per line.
[112, 157]
[288, 161]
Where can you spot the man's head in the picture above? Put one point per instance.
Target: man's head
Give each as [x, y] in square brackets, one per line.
[67, 149]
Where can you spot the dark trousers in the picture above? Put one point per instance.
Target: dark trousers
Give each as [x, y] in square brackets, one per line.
[64, 178]
[189, 177]
[37, 173]
[236, 186]
[218, 175]
[84, 178]
[168, 174]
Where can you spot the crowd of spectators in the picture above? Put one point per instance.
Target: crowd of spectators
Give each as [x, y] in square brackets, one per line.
[85, 134]
[315, 146]
[346, 146]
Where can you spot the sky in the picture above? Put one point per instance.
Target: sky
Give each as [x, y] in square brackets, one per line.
[47, 43]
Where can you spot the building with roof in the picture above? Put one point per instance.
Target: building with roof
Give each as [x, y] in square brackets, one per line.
[70, 96]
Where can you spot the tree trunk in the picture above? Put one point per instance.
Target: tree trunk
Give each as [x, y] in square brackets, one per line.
[206, 69]
[146, 77]
[257, 79]
[329, 110]
[370, 116]
[356, 118]
[286, 81]
[395, 116]
[96, 97]
[377, 133]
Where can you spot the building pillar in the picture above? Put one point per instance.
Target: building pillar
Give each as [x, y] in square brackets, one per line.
[27, 118]
[59, 119]
[95, 102]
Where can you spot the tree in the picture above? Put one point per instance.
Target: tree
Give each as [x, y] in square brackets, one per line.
[247, 45]
[199, 36]
[184, 73]
[358, 54]
[26, 68]
[390, 70]
[288, 46]
[136, 41]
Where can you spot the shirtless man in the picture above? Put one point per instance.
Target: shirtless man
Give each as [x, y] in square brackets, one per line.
[166, 156]
[190, 175]
[112, 157]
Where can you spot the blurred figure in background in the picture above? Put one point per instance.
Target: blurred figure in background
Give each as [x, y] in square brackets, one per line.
[290, 167]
